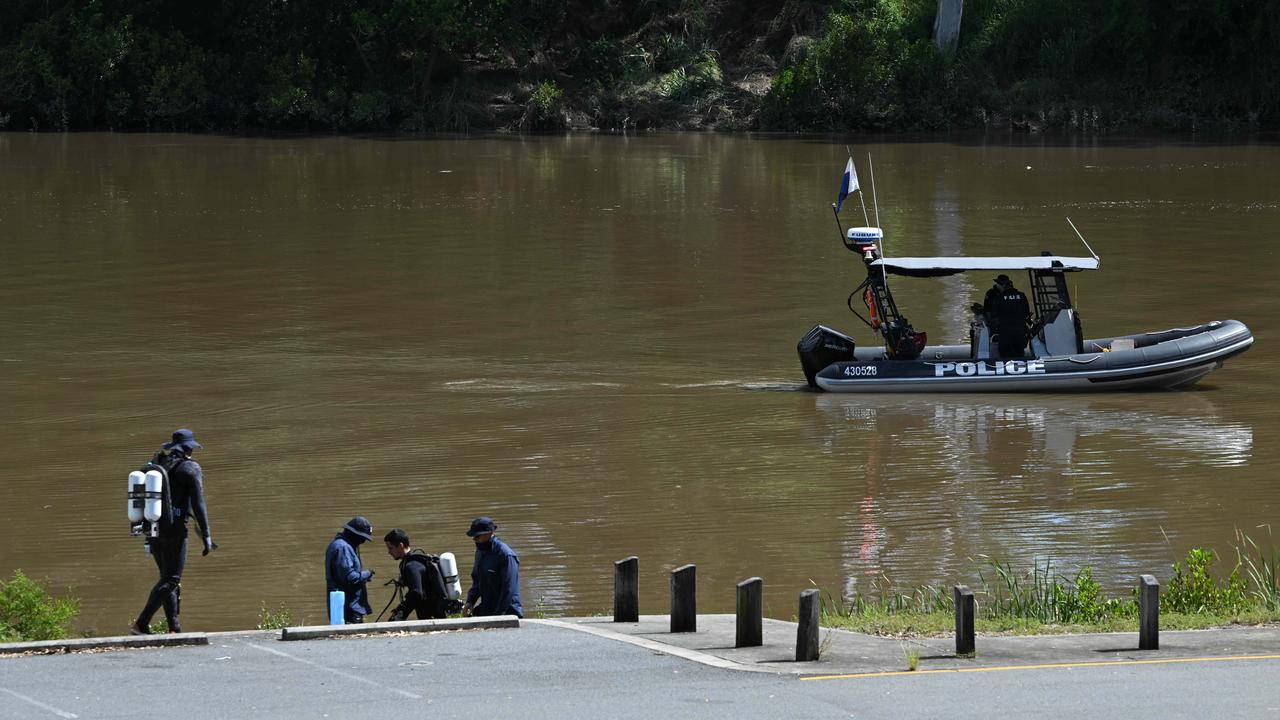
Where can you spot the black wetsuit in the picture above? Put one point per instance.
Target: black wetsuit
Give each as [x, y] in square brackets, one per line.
[424, 591]
[169, 547]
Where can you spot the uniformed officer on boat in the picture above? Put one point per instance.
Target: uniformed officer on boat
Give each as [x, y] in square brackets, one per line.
[1008, 314]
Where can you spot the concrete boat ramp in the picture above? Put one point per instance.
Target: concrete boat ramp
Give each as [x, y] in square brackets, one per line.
[593, 667]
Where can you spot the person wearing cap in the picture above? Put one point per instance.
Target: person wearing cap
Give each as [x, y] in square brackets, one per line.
[169, 547]
[344, 571]
[1008, 315]
[495, 575]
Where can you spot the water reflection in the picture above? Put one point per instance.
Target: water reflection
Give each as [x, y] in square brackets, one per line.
[946, 478]
[1050, 430]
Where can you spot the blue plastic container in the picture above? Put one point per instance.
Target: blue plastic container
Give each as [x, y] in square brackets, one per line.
[337, 599]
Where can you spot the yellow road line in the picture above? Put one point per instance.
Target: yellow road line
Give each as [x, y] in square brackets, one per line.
[1100, 663]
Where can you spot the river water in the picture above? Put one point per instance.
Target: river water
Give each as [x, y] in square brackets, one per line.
[592, 339]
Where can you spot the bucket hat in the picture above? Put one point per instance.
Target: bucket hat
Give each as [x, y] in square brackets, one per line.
[360, 526]
[482, 525]
[184, 439]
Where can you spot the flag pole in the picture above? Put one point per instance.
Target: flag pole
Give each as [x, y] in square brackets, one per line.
[873, 192]
[861, 198]
[839, 227]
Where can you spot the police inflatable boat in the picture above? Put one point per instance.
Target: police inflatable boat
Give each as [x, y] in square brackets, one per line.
[1054, 357]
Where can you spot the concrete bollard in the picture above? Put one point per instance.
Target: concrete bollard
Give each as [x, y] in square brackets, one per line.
[750, 613]
[626, 590]
[965, 610]
[807, 628]
[684, 599]
[1148, 613]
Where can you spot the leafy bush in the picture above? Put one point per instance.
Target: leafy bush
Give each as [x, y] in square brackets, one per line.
[543, 109]
[547, 97]
[28, 612]
[1196, 591]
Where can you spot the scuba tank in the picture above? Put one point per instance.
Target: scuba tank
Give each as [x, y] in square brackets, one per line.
[148, 500]
[154, 504]
[137, 495]
[449, 571]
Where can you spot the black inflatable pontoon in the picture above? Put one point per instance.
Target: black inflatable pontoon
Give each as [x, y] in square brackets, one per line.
[1056, 357]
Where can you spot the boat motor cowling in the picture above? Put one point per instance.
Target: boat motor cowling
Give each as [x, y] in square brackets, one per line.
[820, 347]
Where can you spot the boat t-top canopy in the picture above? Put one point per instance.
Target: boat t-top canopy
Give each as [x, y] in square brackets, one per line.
[940, 266]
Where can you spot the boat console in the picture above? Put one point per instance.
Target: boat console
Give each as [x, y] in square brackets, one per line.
[1054, 358]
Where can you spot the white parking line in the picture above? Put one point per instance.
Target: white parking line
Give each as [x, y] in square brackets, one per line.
[340, 673]
[42, 706]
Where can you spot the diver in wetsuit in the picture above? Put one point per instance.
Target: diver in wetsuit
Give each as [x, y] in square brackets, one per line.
[169, 546]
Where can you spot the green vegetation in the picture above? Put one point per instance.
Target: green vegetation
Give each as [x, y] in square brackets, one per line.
[28, 612]
[913, 658]
[268, 619]
[1042, 601]
[1262, 571]
[1036, 64]
[460, 65]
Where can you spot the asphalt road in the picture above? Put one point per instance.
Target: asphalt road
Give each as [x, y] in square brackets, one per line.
[539, 671]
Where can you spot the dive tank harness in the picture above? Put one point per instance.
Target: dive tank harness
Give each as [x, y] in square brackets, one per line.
[447, 565]
[148, 500]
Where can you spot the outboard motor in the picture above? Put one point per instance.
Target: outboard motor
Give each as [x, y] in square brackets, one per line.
[820, 347]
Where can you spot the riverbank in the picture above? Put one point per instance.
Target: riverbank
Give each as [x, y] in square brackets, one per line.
[871, 65]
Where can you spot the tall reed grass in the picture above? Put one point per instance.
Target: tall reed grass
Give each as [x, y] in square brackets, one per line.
[1042, 595]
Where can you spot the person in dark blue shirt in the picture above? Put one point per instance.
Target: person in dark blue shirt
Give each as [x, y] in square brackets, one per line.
[344, 571]
[495, 576]
[169, 547]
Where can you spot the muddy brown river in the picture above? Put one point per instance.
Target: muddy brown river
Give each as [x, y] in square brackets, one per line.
[592, 339]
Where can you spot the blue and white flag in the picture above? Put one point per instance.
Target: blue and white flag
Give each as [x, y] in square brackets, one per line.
[848, 184]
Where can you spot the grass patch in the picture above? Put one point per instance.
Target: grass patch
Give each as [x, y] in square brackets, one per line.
[1042, 601]
[268, 619]
[940, 624]
[913, 657]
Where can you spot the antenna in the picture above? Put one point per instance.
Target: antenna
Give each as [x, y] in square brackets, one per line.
[873, 195]
[884, 274]
[1086, 242]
